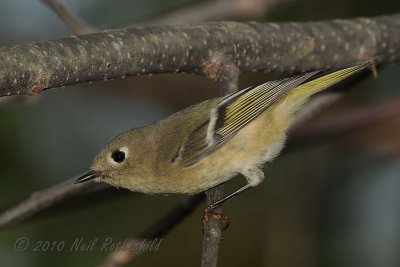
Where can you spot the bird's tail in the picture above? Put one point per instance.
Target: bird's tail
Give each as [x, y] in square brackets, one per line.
[325, 80]
[298, 96]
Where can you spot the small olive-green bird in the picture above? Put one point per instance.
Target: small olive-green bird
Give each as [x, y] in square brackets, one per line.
[211, 142]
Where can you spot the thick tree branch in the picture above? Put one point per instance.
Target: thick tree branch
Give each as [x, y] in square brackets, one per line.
[285, 47]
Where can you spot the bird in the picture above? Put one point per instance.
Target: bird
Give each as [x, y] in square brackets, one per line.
[213, 141]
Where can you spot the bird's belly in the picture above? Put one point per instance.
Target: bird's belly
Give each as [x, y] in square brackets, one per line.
[252, 146]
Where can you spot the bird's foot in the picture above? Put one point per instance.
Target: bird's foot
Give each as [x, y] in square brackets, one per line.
[208, 213]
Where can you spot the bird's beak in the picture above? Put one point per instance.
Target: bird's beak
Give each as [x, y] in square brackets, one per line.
[88, 176]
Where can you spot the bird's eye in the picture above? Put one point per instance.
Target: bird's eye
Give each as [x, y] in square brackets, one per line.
[118, 156]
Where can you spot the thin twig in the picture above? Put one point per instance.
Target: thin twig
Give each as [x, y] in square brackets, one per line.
[164, 225]
[72, 22]
[219, 10]
[12, 101]
[216, 10]
[340, 123]
[41, 200]
[222, 69]
[212, 230]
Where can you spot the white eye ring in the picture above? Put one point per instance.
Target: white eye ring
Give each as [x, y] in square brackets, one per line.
[115, 159]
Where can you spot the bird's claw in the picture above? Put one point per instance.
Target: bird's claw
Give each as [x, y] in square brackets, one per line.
[207, 213]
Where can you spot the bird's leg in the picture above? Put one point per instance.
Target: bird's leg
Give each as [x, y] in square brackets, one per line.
[254, 176]
[209, 211]
[226, 198]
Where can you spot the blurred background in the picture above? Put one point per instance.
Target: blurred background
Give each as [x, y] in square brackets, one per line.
[330, 199]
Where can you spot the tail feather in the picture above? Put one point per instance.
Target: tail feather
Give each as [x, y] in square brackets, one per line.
[325, 80]
[297, 97]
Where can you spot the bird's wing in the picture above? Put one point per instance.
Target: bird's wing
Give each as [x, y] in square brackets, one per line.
[237, 110]
[233, 113]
